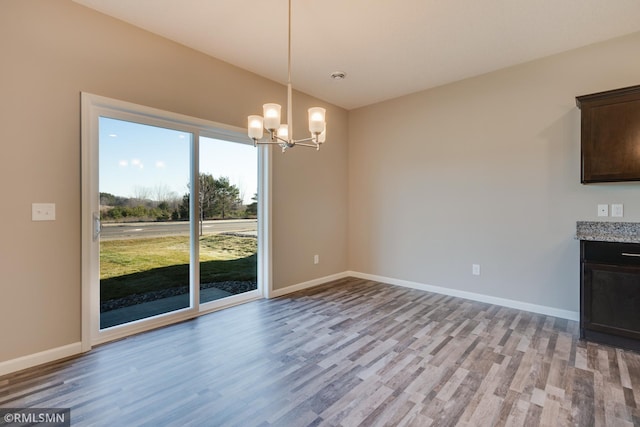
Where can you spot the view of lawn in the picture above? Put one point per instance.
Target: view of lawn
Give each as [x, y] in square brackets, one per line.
[138, 266]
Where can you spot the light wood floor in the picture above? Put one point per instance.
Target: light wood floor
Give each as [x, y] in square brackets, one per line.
[350, 353]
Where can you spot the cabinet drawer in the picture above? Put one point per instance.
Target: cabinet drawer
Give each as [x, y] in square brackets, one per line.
[610, 253]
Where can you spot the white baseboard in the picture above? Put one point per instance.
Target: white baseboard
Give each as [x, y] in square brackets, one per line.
[31, 360]
[534, 308]
[308, 284]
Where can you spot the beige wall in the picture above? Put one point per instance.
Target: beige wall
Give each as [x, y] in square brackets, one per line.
[54, 49]
[485, 171]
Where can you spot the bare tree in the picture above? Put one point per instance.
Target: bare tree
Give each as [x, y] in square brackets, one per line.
[163, 193]
[141, 194]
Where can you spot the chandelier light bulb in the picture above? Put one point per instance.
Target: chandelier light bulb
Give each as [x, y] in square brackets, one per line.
[271, 116]
[316, 120]
[283, 132]
[256, 127]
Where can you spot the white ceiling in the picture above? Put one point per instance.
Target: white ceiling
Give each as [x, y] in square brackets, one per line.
[388, 48]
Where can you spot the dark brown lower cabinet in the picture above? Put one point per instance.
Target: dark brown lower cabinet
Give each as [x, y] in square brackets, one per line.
[610, 293]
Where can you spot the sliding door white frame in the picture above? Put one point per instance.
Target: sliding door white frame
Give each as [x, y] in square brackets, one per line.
[94, 107]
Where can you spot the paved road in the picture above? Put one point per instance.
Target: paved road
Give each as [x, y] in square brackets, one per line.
[158, 229]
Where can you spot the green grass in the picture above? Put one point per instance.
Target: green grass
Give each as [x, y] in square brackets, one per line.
[142, 265]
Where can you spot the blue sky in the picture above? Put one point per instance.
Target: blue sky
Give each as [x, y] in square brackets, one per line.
[136, 158]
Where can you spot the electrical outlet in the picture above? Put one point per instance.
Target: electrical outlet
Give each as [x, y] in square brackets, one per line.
[617, 210]
[316, 259]
[43, 211]
[475, 269]
[603, 210]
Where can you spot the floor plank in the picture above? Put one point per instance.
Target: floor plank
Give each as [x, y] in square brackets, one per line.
[352, 352]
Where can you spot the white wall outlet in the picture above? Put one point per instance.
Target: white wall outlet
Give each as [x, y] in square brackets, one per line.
[603, 210]
[617, 210]
[43, 212]
[475, 269]
[316, 259]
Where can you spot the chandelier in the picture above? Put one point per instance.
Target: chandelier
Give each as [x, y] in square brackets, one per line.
[281, 134]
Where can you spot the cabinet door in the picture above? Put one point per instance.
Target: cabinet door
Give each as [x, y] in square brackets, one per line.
[610, 123]
[611, 299]
[610, 147]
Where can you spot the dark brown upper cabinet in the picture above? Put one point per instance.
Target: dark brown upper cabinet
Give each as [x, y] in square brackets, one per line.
[610, 135]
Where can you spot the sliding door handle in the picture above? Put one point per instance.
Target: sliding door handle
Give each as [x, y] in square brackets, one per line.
[97, 226]
[630, 254]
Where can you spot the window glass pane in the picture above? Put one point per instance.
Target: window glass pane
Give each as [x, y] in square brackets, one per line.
[228, 218]
[144, 244]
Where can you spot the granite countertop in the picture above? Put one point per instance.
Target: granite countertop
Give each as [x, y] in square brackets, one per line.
[625, 232]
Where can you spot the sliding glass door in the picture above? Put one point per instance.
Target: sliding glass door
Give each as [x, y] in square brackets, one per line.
[145, 241]
[171, 224]
[228, 229]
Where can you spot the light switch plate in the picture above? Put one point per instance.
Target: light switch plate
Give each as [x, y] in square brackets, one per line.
[603, 210]
[475, 269]
[617, 210]
[43, 212]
